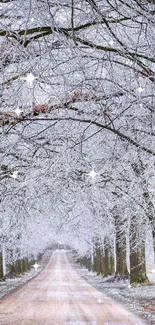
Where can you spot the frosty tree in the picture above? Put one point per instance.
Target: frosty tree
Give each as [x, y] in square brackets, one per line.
[77, 128]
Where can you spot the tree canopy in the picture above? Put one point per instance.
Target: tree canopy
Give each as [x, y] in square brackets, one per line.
[77, 95]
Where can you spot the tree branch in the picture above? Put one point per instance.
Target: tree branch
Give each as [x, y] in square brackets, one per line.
[121, 135]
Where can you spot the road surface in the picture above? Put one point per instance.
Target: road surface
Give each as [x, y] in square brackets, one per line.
[60, 296]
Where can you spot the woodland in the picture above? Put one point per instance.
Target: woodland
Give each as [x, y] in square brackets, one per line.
[77, 132]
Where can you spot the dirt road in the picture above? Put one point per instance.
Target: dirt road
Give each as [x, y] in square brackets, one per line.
[60, 296]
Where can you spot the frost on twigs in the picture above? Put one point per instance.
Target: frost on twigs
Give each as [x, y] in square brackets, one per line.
[67, 108]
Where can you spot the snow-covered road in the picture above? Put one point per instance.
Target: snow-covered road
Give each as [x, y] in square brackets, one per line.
[60, 296]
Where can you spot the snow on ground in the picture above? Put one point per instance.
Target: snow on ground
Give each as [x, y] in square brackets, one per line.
[140, 299]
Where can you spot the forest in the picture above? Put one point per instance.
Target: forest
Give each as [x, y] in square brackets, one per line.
[77, 132]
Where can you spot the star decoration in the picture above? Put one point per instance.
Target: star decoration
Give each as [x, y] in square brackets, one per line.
[15, 174]
[140, 89]
[93, 174]
[30, 79]
[111, 42]
[36, 266]
[18, 111]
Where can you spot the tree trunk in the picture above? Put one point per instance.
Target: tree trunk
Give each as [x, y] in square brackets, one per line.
[111, 264]
[108, 260]
[4, 260]
[137, 254]
[121, 260]
[1, 266]
[18, 265]
[26, 264]
[97, 260]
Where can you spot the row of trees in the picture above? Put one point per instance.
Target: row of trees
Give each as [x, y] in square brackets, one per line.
[18, 267]
[77, 95]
